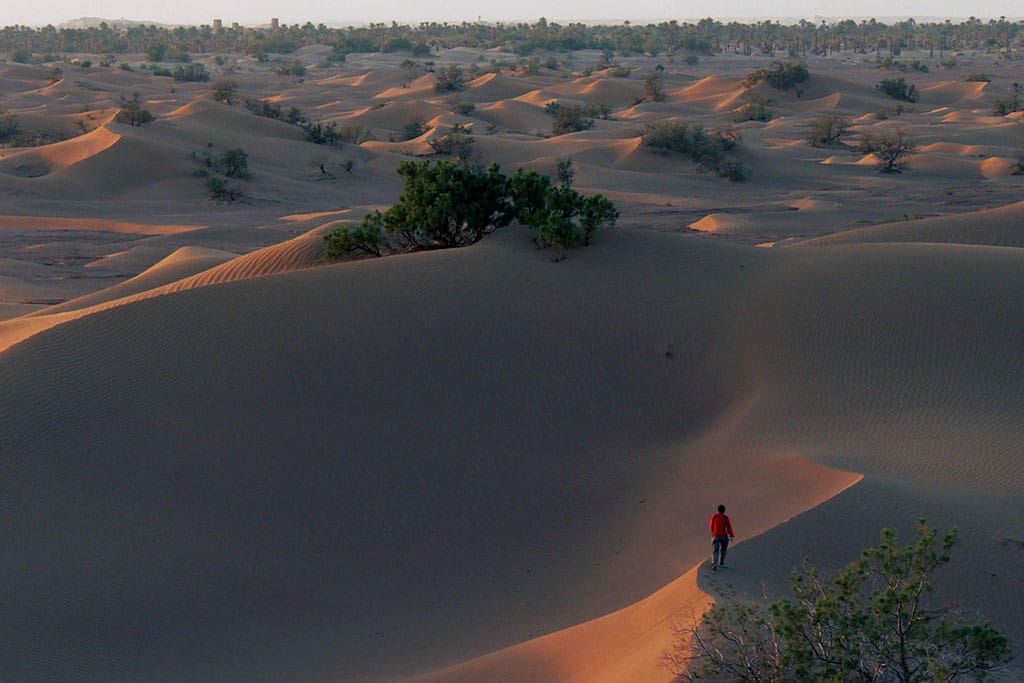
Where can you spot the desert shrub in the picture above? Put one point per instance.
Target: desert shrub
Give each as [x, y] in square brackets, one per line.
[620, 71]
[978, 78]
[892, 149]
[707, 149]
[10, 127]
[1013, 103]
[566, 172]
[734, 170]
[871, 621]
[235, 163]
[20, 56]
[781, 75]
[654, 88]
[827, 128]
[191, 73]
[224, 91]
[420, 50]
[161, 71]
[131, 111]
[446, 205]
[291, 68]
[220, 190]
[597, 110]
[450, 79]
[754, 108]
[263, 108]
[366, 239]
[156, 52]
[464, 108]
[899, 89]
[568, 118]
[412, 130]
[457, 142]
[1018, 166]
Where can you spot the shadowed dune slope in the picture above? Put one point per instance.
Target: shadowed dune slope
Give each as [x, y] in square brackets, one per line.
[292, 524]
[384, 468]
[897, 359]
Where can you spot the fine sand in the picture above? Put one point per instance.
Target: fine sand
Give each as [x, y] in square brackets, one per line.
[223, 460]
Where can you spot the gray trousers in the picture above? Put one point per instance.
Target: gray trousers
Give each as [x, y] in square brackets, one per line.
[721, 546]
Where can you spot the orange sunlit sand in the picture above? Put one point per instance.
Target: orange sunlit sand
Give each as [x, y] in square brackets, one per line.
[225, 460]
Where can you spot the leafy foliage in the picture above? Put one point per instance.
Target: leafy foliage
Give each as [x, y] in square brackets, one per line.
[448, 205]
[827, 128]
[568, 118]
[781, 75]
[869, 622]
[457, 143]
[194, 72]
[132, 112]
[899, 89]
[224, 91]
[754, 108]
[450, 79]
[654, 88]
[707, 149]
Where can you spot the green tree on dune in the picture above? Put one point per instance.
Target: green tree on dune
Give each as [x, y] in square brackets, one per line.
[870, 622]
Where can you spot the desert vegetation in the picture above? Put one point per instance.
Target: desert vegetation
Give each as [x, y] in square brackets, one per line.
[689, 40]
[446, 205]
[871, 621]
[892, 148]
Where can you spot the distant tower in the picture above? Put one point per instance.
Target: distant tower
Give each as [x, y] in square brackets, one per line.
[218, 26]
[274, 24]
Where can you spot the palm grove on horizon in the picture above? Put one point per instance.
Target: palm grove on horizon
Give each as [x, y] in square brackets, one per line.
[705, 37]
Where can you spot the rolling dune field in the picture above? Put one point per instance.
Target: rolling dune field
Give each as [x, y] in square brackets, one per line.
[223, 459]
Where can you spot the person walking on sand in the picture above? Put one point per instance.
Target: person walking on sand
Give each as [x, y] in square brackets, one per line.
[721, 532]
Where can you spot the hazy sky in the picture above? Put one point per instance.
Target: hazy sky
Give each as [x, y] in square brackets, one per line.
[253, 12]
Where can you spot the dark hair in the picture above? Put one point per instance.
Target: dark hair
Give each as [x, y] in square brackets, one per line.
[721, 508]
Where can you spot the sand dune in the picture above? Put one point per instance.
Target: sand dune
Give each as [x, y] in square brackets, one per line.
[996, 227]
[223, 460]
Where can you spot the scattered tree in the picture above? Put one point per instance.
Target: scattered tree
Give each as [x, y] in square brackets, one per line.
[1012, 103]
[221, 191]
[654, 89]
[892, 149]
[191, 73]
[870, 622]
[457, 142]
[781, 75]
[755, 108]
[1018, 166]
[827, 128]
[235, 163]
[567, 118]
[224, 91]
[899, 89]
[566, 172]
[132, 112]
[450, 79]
[707, 149]
[412, 130]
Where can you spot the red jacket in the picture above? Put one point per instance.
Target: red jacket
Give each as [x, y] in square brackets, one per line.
[720, 525]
